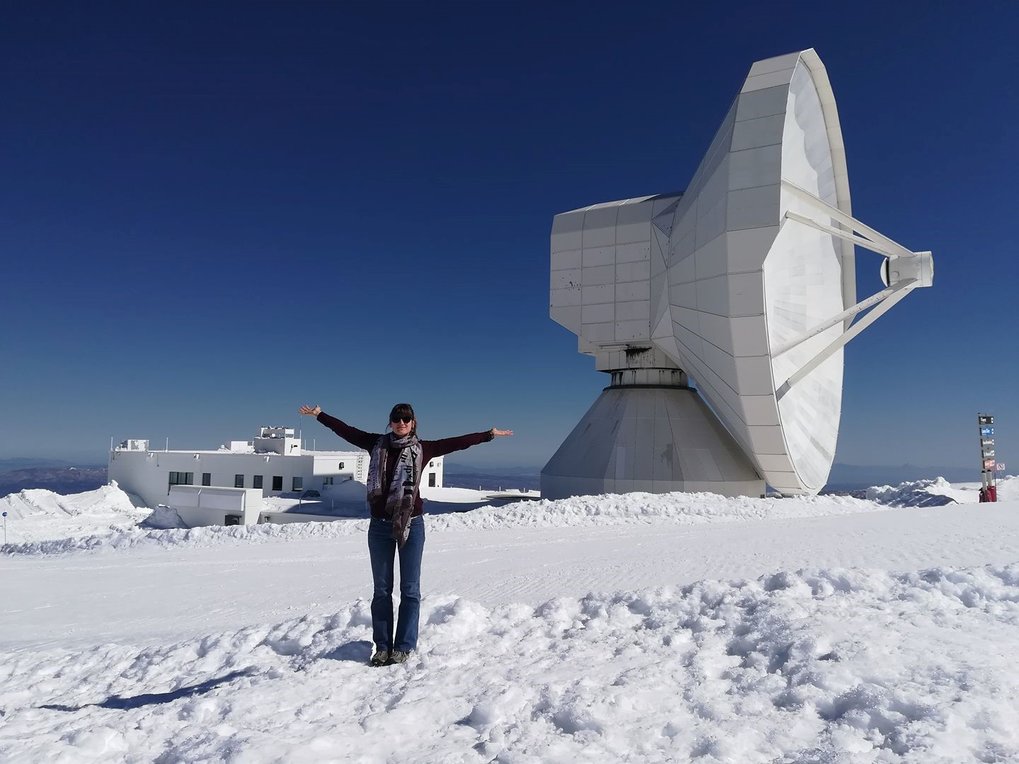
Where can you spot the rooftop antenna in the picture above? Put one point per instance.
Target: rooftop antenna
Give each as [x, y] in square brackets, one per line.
[746, 283]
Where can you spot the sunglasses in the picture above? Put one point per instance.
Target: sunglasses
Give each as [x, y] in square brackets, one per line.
[404, 419]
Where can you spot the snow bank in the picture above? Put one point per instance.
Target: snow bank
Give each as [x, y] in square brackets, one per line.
[816, 665]
[1008, 488]
[43, 522]
[939, 492]
[188, 537]
[38, 502]
[580, 511]
[34, 514]
[917, 493]
[645, 508]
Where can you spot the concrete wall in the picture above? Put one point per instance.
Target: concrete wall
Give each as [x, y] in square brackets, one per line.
[209, 505]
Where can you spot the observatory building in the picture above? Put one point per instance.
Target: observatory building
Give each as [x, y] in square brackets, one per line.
[744, 284]
[273, 462]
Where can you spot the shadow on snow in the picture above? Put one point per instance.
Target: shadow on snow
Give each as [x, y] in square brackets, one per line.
[153, 698]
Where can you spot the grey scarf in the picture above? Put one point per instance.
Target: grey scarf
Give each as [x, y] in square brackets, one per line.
[404, 486]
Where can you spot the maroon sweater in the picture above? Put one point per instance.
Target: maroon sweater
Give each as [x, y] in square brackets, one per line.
[429, 450]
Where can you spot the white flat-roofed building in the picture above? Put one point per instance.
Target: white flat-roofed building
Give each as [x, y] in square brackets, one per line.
[273, 461]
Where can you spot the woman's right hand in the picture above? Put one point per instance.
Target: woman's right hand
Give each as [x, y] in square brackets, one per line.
[310, 410]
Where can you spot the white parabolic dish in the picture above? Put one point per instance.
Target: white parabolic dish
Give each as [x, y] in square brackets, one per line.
[783, 279]
[749, 285]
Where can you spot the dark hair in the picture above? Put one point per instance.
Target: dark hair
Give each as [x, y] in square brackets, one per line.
[404, 410]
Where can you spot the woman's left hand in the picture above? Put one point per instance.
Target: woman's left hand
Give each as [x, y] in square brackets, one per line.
[500, 433]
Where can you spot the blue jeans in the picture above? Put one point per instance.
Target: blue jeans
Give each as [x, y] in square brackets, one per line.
[382, 550]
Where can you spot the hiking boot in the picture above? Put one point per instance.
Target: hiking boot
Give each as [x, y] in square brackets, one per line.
[398, 656]
[380, 658]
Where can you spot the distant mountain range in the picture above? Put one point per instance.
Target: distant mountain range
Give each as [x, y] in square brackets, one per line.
[62, 479]
[849, 476]
[21, 463]
[65, 478]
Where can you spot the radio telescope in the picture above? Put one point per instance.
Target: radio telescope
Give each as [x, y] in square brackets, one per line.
[746, 284]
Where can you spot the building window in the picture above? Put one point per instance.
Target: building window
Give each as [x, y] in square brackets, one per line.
[238, 481]
[298, 483]
[256, 481]
[277, 482]
[182, 478]
[327, 481]
[206, 478]
[431, 480]
[341, 465]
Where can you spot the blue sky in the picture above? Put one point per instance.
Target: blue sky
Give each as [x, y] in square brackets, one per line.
[200, 202]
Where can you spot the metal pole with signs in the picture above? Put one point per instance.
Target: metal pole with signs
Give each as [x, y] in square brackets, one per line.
[988, 468]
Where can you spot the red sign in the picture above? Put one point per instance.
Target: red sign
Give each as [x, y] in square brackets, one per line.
[989, 464]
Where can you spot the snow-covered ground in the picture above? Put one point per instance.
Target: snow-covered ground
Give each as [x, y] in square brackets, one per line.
[638, 627]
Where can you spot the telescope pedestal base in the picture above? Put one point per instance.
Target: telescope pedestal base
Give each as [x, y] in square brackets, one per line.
[656, 439]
